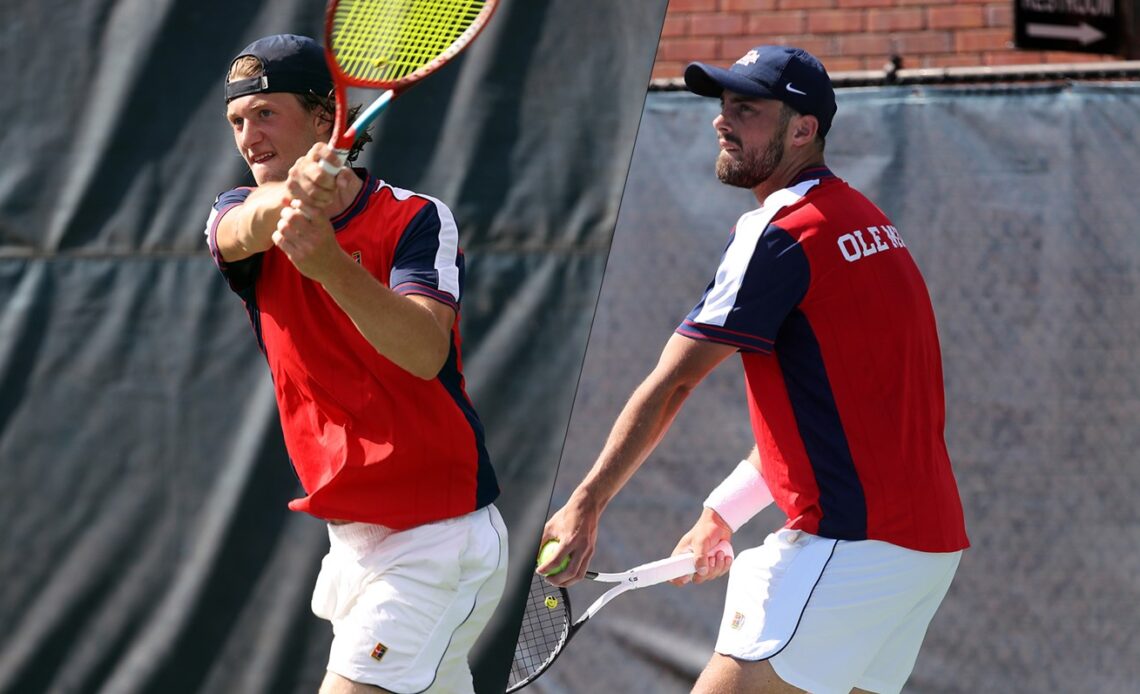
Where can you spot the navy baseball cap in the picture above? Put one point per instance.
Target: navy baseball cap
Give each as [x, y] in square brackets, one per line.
[791, 75]
[289, 63]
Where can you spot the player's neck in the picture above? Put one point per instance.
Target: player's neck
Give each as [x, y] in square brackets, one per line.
[786, 171]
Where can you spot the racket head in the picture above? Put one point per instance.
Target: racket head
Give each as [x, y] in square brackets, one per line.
[390, 44]
[546, 628]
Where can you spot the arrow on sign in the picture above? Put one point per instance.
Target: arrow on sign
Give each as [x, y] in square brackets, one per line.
[1084, 33]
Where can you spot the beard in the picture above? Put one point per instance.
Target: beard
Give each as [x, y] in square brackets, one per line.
[753, 168]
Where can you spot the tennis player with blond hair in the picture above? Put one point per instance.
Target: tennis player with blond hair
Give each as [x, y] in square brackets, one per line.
[353, 288]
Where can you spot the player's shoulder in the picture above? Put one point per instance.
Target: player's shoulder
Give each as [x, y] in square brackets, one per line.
[400, 212]
[397, 195]
[823, 203]
[233, 196]
[788, 208]
[413, 205]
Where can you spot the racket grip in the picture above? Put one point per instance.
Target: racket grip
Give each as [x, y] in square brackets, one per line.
[328, 168]
[722, 546]
[662, 570]
[672, 567]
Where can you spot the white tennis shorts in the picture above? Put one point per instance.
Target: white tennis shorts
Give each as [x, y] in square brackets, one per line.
[831, 615]
[406, 607]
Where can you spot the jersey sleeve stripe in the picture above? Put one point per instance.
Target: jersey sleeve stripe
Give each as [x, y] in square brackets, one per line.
[212, 233]
[713, 333]
[446, 258]
[410, 288]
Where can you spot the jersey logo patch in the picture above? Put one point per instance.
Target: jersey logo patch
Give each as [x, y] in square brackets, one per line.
[737, 620]
[379, 651]
[357, 257]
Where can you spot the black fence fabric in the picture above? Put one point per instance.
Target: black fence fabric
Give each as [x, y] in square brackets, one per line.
[145, 545]
[1019, 206]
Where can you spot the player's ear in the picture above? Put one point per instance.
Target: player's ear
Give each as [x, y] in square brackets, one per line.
[324, 122]
[804, 129]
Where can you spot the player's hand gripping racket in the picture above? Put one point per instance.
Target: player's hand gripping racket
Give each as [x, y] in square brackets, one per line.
[391, 45]
[547, 627]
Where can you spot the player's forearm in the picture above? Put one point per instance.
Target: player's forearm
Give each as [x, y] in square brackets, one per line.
[399, 328]
[248, 228]
[638, 429]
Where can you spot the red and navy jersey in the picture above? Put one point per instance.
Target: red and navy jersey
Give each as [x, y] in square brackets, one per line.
[369, 441]
[842, 365]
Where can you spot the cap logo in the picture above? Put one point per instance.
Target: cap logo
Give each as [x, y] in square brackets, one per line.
[749, 58]
[793, 90]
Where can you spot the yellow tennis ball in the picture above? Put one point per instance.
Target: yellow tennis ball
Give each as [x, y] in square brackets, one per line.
[547, 552]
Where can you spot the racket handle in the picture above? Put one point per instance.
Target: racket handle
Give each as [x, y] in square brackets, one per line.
[664, 570]
[358, 126]
[668, 568]
[328, 168]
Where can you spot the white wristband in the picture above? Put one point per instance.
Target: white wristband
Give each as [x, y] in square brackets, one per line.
[740, 496]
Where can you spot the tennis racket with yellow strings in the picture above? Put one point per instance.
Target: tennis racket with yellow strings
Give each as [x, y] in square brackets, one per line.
[391, 45]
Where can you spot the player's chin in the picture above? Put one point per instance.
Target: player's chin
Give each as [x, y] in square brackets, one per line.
[729, 157]
[266, 173]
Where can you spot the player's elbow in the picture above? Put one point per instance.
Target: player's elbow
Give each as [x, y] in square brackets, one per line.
[662, 390]
[425, 372]
[672, 383]
[678, 394]
[429, 363]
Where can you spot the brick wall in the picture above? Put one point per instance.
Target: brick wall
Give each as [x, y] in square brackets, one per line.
[849, 34]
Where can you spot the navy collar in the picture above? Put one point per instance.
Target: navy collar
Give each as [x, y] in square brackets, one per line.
[810, 174]
[369, 184]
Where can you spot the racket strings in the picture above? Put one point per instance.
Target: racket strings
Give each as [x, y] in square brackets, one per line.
[385, 41]
[545, 627]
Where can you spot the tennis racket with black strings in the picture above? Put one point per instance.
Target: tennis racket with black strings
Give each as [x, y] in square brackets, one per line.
[547, 625]
[391, 45]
